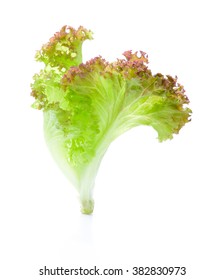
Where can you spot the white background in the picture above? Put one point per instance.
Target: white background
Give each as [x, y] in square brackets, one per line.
[156, 204]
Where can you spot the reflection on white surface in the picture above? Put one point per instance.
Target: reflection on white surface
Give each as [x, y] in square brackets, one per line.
[85, 233]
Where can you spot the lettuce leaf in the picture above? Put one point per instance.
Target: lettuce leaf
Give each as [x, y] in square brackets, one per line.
[88, 105]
